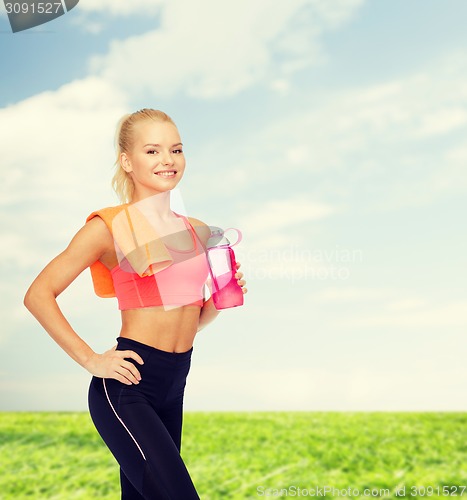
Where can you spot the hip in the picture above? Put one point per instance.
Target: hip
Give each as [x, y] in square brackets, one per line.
[163, 374]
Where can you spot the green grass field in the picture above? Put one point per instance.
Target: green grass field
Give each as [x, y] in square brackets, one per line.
[249, 455]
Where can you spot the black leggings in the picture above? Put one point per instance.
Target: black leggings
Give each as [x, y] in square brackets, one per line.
[142, 423]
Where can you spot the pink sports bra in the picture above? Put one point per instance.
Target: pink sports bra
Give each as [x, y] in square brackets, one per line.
[179, 284]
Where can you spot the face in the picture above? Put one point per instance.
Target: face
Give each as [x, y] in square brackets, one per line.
[157, 148]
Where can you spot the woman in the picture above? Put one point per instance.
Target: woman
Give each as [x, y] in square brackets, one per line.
[136, 392]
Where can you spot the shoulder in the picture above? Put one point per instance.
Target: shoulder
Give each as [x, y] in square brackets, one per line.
[91, 240]
[99, 223]
[96, 228]
[202, 230]
[106, 214]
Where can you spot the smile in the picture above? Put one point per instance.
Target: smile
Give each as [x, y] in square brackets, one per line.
[167, 173]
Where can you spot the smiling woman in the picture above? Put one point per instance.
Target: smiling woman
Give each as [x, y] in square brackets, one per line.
[133, 144]
[153, 261]
[166, 160]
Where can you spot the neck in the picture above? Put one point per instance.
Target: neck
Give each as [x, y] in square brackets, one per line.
[156, 204]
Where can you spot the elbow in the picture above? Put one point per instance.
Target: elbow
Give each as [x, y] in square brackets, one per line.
[30, 298]
[34, 298]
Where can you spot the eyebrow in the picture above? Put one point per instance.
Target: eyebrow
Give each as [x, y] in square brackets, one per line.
[158, 145]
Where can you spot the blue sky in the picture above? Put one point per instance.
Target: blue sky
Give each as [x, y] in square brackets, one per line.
[331, 133]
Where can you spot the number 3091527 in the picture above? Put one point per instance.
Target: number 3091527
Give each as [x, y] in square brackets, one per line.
[33, 8]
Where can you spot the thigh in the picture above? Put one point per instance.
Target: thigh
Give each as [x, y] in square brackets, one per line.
[172, 418]
[139, 440]
[129, 492]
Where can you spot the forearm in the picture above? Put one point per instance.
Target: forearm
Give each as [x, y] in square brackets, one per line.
[208, 314]
[43, 306]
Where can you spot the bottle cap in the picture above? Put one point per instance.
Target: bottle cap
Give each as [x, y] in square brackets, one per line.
[217, 238]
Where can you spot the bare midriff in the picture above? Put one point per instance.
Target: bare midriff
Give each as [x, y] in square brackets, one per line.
[171, 330]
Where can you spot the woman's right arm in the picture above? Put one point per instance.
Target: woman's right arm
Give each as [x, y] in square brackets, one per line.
[87, 246]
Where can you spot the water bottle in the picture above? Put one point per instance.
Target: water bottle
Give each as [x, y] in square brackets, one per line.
[226, 292]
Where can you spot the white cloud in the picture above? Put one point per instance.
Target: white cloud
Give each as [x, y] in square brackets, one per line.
[334, 295]
[442, 121]
[94, 15]
[121, 7]
[59, 144]
[93, 27]
[272, 215]
[12, 311]
[276, 239]
[415, 314]
[213, 49]
[391, 307]
[280, 85]
[372, 144]
[370, 139]
[18, 251]
[407, 304]
[335, 13]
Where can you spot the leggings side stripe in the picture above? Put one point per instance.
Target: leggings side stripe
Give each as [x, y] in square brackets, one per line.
[121, 421]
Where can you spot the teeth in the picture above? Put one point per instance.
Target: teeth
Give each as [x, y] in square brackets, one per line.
[166, 174]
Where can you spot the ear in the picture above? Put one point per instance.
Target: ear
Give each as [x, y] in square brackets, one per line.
[125, 163]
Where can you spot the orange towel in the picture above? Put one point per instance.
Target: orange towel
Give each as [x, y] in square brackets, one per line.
[138, 247]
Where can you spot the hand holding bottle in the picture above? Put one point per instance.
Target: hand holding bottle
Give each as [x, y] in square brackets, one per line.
[239, 276]
[226, 291]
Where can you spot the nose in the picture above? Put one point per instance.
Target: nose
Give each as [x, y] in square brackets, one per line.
[167, 158]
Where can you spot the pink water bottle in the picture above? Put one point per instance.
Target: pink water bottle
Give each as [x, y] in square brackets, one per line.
[226, 292]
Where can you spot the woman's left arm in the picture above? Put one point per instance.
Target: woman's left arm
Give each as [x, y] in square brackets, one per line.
[209, 312]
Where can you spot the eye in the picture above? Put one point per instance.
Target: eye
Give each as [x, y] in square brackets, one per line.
[178, 151]
[151, 151]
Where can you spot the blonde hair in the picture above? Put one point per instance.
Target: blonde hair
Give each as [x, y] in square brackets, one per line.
[122, 182]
